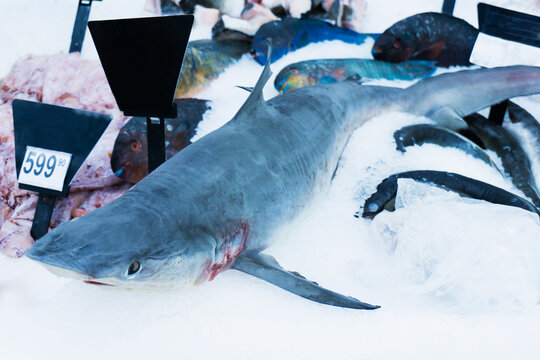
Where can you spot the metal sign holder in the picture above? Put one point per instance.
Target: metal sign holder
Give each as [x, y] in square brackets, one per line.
[142, 59]
[448, 7]
[79, 28]
[54, 128]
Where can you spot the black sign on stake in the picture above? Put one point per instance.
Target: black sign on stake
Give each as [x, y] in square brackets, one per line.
[51, 143]
[142, 58]
[79, 28]
[508, 25]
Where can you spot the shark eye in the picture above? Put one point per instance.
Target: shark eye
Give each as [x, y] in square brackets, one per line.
[397, 43]
[133, 268]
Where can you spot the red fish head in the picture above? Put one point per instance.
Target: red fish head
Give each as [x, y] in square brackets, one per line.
[129, 159]
[389, 47]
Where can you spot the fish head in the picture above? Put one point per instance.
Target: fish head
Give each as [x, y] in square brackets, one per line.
[259, 51]
[278, 33]
[392, 47]
[113, 249]
[129, 159]
[290, 78]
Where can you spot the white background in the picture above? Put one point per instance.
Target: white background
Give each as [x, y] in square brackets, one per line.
[455, 278]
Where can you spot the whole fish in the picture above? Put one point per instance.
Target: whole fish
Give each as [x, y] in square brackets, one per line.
[514, 159]
[329, 71]
[216, 204]
[423, 133]
[129, 158]
[291, 34]
[427, 36]
[385, 196]
[204, 61]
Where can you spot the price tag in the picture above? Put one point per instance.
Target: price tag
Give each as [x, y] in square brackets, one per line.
[44, 168]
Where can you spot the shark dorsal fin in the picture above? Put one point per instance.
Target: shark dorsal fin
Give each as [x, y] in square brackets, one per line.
[256, 98]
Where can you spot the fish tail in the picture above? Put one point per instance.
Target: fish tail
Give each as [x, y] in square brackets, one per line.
[464, 92]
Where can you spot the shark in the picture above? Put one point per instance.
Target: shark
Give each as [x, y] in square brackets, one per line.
[216, 204]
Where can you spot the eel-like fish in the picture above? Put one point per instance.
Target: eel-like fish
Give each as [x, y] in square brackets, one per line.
[423, 133]
[129, 159]
[514, 159]
[216, 204]
[327, 71]
[385, 195]
[427, 36]
[523, 119]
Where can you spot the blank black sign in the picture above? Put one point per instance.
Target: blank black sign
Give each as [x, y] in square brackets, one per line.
[142, 59]
[509, 25]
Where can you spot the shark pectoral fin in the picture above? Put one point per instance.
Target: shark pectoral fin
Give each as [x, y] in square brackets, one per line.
[265, 267]
[448, 118]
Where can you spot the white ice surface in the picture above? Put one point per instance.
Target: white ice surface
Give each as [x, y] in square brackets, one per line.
[456, 278]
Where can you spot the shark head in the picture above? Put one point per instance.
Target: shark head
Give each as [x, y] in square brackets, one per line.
[129, 249]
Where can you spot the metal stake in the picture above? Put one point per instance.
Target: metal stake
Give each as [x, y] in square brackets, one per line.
[156, 142]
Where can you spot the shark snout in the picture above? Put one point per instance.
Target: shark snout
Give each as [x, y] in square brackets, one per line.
[54, 251]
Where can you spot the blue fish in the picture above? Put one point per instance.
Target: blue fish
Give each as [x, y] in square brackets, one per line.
[291, 34]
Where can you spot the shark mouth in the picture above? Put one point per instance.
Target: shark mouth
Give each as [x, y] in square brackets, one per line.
[76, 276]
[91, 282]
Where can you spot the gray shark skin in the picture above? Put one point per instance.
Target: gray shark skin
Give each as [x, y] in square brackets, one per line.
[216, 203]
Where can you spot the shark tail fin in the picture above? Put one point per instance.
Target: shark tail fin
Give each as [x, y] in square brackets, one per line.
[449, 97]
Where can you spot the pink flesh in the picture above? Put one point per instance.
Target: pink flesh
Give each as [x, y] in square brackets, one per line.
[229, 250]
[65, 80]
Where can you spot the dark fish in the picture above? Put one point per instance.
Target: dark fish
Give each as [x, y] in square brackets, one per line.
[385, 196]
[204, 61]
[221, 33]
[427, 36]
[319, 12]
[521, 118]
[513, 157]
[169, 7]
[329, 71]
[291, 34]
[430, 134]
[129, 158]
